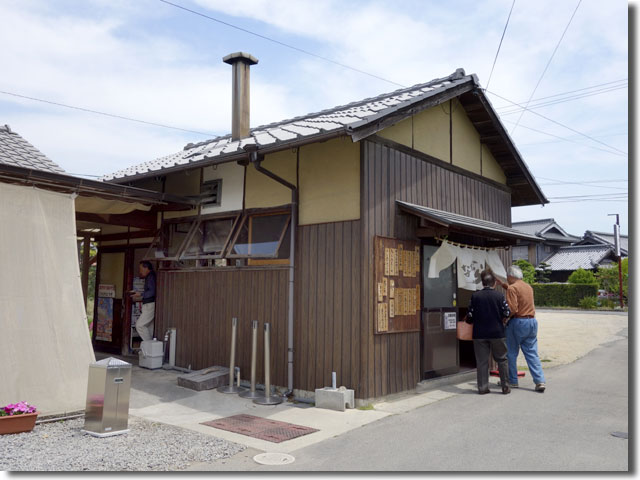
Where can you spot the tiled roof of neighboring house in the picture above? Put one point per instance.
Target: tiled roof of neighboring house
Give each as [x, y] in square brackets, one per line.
[543, 228]
[333, 120]
[579, 256]
[591, 237]
[359, 120]
[16, 151]
[532, 226]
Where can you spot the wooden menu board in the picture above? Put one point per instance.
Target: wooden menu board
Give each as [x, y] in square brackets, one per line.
[397, 286]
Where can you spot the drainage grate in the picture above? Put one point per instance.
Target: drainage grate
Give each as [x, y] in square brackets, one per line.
[620, 434]
[261, 428]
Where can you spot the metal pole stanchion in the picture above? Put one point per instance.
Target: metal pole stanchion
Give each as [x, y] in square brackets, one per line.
[254, 353]
[267, 399]
[231, 388]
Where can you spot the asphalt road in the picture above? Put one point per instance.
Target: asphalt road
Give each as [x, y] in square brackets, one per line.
[567, 428]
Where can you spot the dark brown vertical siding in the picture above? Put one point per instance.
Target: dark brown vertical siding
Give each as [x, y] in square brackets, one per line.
[327, 308]
[389, 175]
[200, 305]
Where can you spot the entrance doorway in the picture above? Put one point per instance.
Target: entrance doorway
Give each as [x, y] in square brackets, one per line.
[443, 305]
[115, 314]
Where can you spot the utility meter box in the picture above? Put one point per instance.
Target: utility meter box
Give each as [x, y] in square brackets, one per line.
[107, 409]
[151, 354]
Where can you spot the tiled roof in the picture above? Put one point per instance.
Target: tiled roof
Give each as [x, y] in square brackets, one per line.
[16, 151]
[542, 227]
[608, 238]
[463, 222]
[532, 227]
[332, 121]
[578, 256]
[560, 238]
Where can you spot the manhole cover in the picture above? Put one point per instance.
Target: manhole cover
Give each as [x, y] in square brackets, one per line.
[620, 434]
[274, 459]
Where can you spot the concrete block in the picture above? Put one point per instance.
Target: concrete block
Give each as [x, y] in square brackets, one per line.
[335, 399]
[205, 379]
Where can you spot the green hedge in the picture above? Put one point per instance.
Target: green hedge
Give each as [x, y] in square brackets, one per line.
[562, 294]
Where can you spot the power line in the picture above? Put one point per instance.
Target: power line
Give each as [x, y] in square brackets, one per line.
[500, 44]
[566, 139]
[292, 47]
[588, 181]
[595, 183]
[591, 185]
[558, 123]
[594, 195]
[556, 141]
[625, 80]
[82, 109]
[547, 65]
[622, 200]
[563, 100]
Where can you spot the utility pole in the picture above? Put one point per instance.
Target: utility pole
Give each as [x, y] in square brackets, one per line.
[616, 236]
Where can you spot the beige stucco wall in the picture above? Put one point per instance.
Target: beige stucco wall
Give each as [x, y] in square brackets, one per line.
[329, 181]
[490, 167]
[466, 140]
[262, 191]
[329, 175]
[112, 271]
[402, 132]
[431, 132]
[428, 132]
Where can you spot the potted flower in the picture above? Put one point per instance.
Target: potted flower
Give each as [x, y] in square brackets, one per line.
[17, 417]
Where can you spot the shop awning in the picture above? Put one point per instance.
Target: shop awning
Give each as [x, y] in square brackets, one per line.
[454, 222]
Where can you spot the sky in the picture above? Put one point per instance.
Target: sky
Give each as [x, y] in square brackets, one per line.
[151, 61]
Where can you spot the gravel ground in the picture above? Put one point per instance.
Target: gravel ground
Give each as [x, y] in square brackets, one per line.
[565, 336]
[61, 446]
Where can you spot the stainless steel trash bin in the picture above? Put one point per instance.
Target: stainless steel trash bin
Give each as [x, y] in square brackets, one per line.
[107, 410]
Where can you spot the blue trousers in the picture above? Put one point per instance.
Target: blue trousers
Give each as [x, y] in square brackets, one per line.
[522, 333]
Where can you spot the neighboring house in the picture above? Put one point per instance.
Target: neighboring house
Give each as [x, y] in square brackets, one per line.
[552, 235]
[44, 340]
[588, 257]
[602, 238]
[18, 152]
[290, 227]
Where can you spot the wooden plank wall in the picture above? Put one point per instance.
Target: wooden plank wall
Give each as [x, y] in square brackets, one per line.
[200, 304]
[392, 360]
[329, 327]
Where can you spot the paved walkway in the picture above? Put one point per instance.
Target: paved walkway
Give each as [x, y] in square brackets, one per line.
[567, 428]
[563, 337]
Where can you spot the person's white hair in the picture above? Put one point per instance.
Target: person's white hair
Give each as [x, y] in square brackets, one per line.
[515, 272]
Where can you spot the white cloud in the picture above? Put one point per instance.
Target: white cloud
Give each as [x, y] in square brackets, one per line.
[104, 55]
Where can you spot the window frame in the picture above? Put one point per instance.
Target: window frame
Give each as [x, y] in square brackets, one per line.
[209, 256]
[218, 201]
[154, 244]
[271, 259]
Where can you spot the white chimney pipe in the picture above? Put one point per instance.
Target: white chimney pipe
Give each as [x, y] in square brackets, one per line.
[241, 63]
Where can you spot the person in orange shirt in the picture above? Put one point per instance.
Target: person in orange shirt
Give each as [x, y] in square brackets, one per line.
[522, 329]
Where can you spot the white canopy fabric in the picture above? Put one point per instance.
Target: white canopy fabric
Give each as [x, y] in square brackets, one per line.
[471, 262]
[45, 347]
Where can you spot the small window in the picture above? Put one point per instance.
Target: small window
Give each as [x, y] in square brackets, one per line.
[547, 249]
[211, 193]
[209, 238]
[264, 236]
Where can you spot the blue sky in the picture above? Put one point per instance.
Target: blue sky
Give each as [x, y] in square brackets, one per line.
[151, 61]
